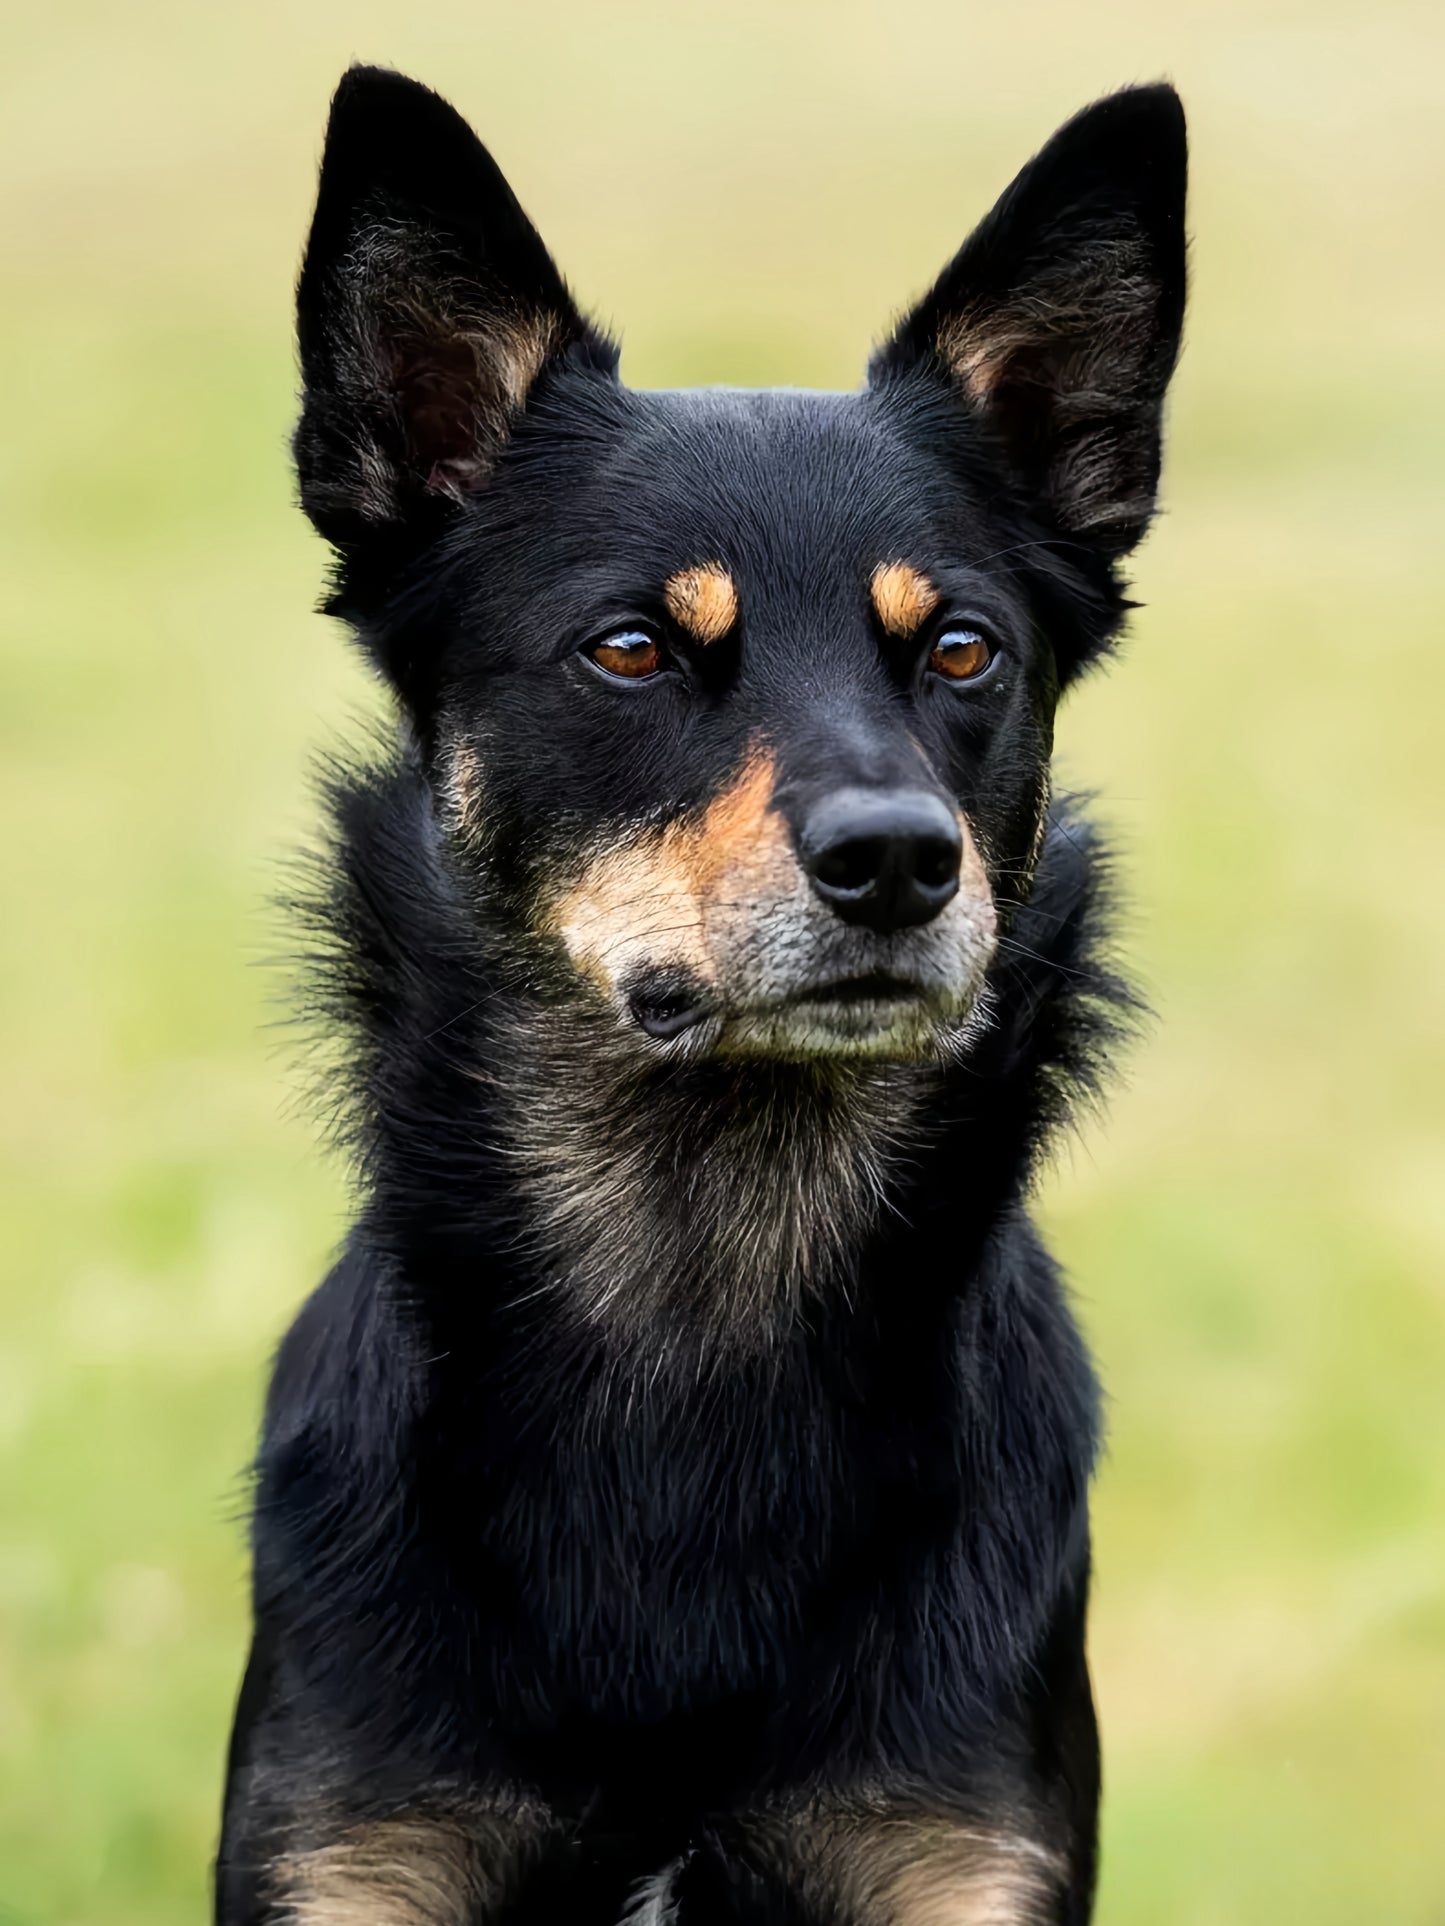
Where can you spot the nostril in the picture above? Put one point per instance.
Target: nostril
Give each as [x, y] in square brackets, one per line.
[853, 864]
[935, 862]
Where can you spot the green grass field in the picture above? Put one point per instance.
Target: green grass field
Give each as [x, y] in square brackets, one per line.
[1257, 1238]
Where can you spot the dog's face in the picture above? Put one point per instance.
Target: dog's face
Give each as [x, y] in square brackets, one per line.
[746, 722]
[737, 707]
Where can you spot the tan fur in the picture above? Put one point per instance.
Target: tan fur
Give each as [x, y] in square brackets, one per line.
[903, 597]
[879, 1867]
[973, 881]
[519, 354]
[649, 901]
[704, 601]
[403, 1872]
[636, 904]
[414, 1870]
[740, 838]
[496, 362]
[975, 1881]
[1088, 332]
[461, 788]
[1041, 827]
[413, 330]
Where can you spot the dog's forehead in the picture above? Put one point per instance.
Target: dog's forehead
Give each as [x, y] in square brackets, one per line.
[780, 485]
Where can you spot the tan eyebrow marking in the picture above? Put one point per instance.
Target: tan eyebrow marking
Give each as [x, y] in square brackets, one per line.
[704, 601]
[903, 597]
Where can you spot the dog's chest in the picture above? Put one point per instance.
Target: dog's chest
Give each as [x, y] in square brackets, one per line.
[668, 1562]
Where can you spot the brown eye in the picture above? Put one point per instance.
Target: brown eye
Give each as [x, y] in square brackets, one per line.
[631, 655]
[960, 655]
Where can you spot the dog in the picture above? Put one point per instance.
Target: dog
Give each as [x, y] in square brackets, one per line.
[673, 1505]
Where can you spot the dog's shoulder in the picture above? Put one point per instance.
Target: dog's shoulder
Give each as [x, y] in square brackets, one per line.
[332, 1467]
[344, 1352]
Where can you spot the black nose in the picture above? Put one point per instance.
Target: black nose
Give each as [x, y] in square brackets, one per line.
[885, 858]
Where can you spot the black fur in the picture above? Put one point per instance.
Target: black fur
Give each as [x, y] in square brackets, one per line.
[653, 1576]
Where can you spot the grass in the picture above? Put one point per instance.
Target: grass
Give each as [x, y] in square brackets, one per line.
[1257, 1240]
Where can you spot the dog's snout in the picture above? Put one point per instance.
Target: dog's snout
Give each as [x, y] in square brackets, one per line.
[885, 858]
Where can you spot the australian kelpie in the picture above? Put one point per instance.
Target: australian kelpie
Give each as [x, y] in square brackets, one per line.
[673, 1506]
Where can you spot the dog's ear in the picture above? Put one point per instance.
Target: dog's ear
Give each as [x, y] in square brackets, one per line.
[1059, 317]
[426, 311]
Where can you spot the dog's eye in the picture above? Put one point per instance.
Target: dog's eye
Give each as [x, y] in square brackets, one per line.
[961, 655]
[630, 655]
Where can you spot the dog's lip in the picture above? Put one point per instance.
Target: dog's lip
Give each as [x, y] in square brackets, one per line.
[668, 1009]
[873, 986]
[665, 1013]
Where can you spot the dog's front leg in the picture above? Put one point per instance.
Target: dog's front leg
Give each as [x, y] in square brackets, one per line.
[460, 1867]
[872, 1864]
[312, 1836]
[453, 1861]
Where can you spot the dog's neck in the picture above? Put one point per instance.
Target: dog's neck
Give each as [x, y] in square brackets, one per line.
[701, 1202]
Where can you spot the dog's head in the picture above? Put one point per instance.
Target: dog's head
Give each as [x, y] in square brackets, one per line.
[737, 707]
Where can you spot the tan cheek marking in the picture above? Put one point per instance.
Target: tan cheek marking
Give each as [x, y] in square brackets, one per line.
[903, 598]
[634, 908]
[1041, 827]
[742, 860]
[731, 827]
[649, 903]
[704, 601]
[638, 906]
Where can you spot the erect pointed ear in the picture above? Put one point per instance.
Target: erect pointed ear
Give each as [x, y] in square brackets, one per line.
[1059, 317]
[427, 308]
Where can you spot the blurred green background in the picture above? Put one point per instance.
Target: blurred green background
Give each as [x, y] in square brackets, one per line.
[1258, 1239]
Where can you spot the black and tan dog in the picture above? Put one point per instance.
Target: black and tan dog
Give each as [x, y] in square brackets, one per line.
[673, 1506]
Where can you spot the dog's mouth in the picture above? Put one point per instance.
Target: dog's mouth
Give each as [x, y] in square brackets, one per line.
[874, 986]
[847, 1013]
